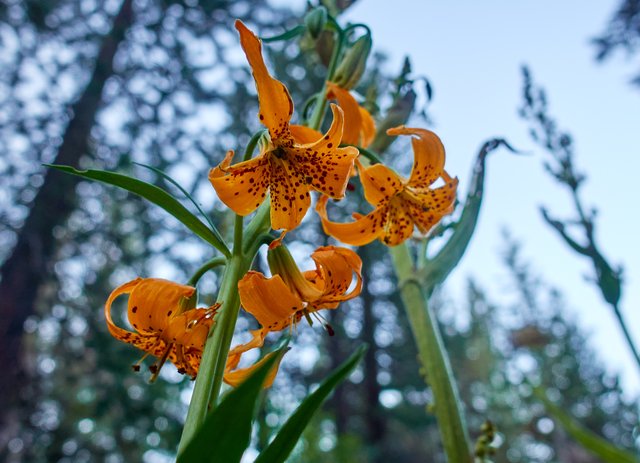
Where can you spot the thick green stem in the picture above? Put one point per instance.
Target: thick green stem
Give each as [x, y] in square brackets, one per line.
[215, 352]
[214, 357]
[434, 359]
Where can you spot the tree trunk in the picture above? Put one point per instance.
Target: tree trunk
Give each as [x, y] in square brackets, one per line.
[31, 261]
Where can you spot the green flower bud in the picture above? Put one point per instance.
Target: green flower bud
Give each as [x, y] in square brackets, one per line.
[315, 21]
[354, 63]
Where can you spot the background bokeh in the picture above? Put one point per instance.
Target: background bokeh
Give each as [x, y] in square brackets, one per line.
[106, 84]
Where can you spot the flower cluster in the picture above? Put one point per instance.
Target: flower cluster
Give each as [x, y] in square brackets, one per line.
[293, 161]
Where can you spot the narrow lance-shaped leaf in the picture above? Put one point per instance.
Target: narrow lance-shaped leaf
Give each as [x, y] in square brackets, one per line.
[586, 438]
[284, 442]
[436, 270]
[157, 196]
[169, 179]
[226, 433]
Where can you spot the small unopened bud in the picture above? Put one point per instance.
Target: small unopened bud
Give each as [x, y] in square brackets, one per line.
[315, 21]
[354, 63]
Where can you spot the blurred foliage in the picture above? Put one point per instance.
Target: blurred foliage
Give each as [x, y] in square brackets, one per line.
[178, 99]
[622, 33]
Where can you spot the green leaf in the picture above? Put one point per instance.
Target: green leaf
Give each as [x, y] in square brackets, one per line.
[226, 433]
[284, 442]
[168, 178]
[435, 270]
[588, 439]
[157, 196]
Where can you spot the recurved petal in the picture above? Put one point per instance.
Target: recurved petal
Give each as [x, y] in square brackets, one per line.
[428, 206]
[337, 267]
[362, 231]
[368, 128]
[428, 152]
[191, 328]
[242, 186]
[304, 135]
[153, 302]
[352, 114]
[269, 300]
[323, 164]
[399, 225]
[290, 198]
[379, 182]
[257, 340]
[276, 106]
[116, 331]
[236, 377]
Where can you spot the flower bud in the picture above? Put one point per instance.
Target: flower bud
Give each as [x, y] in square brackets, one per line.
[315, 21]
[354, 63]
[281, 263]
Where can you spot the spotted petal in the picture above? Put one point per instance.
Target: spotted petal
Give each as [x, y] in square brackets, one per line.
[269, 300]
[290, 198]
[399, 226]
[336, 267]
[362, 231]
[276, 106]
[429, 155]
[323, 164]
[242, 186]
[379, 183]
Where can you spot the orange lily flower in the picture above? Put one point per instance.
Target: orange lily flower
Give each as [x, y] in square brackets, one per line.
[164, 329]
[167, 329]
[359, 126]
[296, 159]
[399, 204]
[282, 300]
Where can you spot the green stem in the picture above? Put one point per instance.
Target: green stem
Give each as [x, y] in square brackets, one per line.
[434, 359]
[214, 357]
[213, 263]
[321, 106]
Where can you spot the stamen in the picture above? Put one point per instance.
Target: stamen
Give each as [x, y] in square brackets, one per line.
[136, 366]
[157, 366]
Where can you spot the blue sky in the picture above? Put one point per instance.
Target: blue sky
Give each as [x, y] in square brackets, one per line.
[472, 53]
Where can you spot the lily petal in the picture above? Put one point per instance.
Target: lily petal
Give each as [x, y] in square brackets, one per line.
[352, 115]
[323, 164]
[336, 267]
[304, 135]
[276, 106]
[153, 302]
[243, 186]
[399, 225]
[269, 300]
[429, 155]
[358, 233]
[290, 197]
[236, 377]
[368, 128]
[379, 183]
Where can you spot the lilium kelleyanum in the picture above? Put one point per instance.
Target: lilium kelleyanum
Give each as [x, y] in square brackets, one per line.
[164, 327]
[169, 329]
[282, 300]
[295, 160]
[399, 203]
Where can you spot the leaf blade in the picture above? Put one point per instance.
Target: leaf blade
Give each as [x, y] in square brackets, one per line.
[230, 422]
[153, 194]
[585, 437]
[281, 446]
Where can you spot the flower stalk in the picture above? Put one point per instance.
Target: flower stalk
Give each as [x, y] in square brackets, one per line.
[433, 357]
